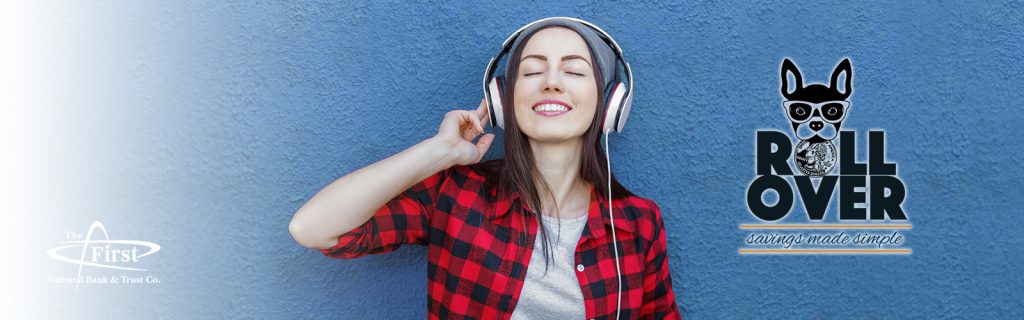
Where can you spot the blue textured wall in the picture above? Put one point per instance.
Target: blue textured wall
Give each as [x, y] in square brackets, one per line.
[224, 119]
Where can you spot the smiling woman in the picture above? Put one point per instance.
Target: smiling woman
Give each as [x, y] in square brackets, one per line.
[555, 92]
[534, 235]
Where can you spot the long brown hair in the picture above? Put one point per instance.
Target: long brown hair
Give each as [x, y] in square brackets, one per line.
[519, 169]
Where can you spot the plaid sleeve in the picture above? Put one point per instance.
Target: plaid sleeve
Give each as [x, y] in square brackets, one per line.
[402, 220]
[659, 300]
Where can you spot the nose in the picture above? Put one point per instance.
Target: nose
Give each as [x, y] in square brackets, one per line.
[553, 83]
[816, 125]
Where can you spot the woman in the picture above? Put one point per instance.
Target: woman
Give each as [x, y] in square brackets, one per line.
[524, 237]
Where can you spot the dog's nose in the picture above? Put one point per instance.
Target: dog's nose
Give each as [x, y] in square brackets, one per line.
[816, 125]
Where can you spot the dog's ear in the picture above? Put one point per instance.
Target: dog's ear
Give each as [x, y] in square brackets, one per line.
[788, 66]
[843, 66]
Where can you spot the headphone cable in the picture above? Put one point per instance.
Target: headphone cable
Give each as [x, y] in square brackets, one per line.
[615, 242]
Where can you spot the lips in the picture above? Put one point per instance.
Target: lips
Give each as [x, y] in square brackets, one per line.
[551, 108]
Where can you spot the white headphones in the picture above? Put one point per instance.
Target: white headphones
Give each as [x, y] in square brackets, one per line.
[619, 95]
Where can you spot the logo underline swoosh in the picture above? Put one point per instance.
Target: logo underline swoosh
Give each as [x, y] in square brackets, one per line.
[53, 254]
[153, 247]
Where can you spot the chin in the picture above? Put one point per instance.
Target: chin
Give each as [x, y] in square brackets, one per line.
[554, 134]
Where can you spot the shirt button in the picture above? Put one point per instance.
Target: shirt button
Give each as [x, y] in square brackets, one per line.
[579, 267]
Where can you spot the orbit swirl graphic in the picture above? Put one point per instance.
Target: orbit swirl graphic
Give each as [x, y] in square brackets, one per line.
[84, 244]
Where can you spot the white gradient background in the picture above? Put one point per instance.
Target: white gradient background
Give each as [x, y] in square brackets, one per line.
[115, 112]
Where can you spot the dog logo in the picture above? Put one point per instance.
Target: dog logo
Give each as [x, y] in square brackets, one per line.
[816, 112]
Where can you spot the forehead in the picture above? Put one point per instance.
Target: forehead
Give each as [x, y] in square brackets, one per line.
[557, 42]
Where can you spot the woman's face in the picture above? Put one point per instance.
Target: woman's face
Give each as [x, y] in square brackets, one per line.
[555, 91]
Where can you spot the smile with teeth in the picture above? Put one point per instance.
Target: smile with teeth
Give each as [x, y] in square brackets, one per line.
[551, 109]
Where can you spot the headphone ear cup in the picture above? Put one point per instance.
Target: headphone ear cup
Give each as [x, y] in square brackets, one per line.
[627, 103]
[617, 108]
[494, 107]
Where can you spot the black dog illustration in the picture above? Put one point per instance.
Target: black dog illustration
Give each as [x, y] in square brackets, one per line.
[816, 113]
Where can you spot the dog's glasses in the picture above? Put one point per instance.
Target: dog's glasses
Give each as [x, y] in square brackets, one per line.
[802, 111]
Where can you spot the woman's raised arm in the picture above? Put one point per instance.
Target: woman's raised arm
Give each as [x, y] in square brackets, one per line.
[349, 201]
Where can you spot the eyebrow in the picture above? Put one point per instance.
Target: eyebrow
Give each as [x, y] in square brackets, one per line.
[565, 58]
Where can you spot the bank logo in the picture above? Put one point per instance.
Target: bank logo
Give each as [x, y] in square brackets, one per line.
[95, 249]
[870, 195]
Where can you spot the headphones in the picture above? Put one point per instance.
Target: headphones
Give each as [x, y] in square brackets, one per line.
[619, 95]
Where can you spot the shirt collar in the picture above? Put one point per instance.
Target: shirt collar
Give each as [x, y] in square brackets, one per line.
[597, 214]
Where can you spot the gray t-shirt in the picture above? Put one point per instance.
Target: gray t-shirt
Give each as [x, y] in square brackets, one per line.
[555, 294]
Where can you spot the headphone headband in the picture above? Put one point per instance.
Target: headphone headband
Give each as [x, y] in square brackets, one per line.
[622, 93]
[600, 32]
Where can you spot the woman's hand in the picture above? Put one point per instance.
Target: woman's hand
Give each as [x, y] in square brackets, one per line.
[457, 131]
[350, 201]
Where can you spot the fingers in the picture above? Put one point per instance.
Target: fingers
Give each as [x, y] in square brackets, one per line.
[469, 132]
[460, 118]
[483, 145]
[466, 124]
[481, 112]
[471, 117]
[476, 122]
[477, 128]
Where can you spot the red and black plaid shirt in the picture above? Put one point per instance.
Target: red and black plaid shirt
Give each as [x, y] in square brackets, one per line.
[479, 248]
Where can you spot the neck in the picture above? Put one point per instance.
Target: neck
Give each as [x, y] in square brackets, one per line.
[563, 192]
